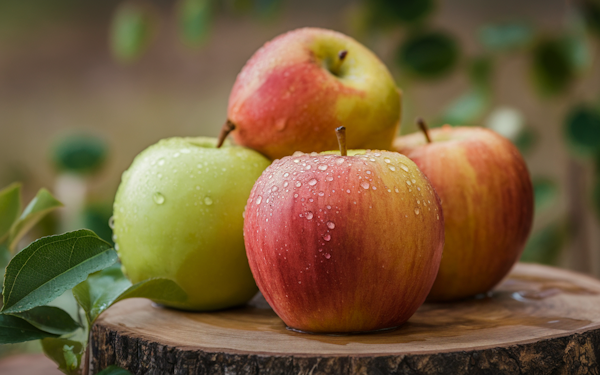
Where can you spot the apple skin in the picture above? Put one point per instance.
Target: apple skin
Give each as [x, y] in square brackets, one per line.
[192, 232]
[344, 244]
[487, 198]
[287, 99]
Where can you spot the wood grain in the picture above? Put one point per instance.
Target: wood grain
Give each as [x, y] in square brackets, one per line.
[541, 320]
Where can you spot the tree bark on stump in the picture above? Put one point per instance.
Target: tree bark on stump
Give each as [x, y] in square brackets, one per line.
[540, 320]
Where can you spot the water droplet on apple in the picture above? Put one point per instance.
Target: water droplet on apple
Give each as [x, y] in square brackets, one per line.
[161, 161]
[414, 181]
[176, 155]
[416, 211]
[320, 250]
[321, 194]
[322, 167]
[158, 198]
[372, 159]
[364, 185]
[327, 256]
[328, 207]
[348, 191]
[274, 189]
[418, 201]
[330, 224]
[286, 174]
[438, 216]
[114, 238]
[374, 187]
[404, 167]
[312, 182]
[285, 184]
[111, 222]
[408, 183]
[308, 215]
[296, 160]
[295, 195]
[327, 237]
[298, 184]
[208, 201]
[329, 178]
[387, 160]
[377, 154]
[396, 190]
[117, 247]
[259, 199]
[368, 172]
[339, 160]
[392, 168]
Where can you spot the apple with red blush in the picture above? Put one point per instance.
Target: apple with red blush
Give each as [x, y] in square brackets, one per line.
[344, 243]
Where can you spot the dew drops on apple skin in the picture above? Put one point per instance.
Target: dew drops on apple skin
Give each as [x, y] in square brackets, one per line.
[330, 224]
[312, 182]
[327, 256]
[327, 237]
[308, 215]
[322, 167]
[208, 201]
[158, 198]
[416, 211]
[364, 185]
[404, 167]
[259, 199]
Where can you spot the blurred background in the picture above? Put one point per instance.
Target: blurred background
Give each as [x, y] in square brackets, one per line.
[85, 86]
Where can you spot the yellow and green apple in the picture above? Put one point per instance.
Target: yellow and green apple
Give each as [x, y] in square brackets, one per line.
[178, 214]
[344, 243]
[299, 87]
[487, 198]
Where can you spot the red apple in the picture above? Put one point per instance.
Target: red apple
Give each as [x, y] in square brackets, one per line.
[487, 199]
[300, 86]
[344, 243]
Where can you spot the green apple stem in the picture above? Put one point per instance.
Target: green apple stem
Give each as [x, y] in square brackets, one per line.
[341, 136]
[227, 128]
[335, 68]
[424, 128]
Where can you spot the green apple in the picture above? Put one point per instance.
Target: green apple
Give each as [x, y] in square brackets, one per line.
[299, 87]
[178, 214]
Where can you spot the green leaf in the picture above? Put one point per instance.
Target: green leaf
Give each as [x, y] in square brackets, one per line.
[131, 31]
[14, 329]
[545, 192]
[50, 266]
[552, 66]
[429, 54]
[65, 353]
[194, 21]
[40, 206]
[506, 36]
[79, 153]
[114, 370]
[10, 207]
[526, 140]
[467, 108]
[582, 130]
[49, 319]
[109, 286]
[545, 245]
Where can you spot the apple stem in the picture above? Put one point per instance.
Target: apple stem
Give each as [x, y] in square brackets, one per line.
[342, 54]
[341, 136]
[227, 128]
[424, 128]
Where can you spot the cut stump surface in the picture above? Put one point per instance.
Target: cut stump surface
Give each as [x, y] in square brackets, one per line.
[540, 320]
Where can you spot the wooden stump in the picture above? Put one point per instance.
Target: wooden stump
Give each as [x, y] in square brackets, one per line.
[541, 320]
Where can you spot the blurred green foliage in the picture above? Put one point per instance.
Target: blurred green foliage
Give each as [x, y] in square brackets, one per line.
[545, 245]
[194, 21]
[133, 28]
[506, 36]
[392, 12]
[551, 65]
[428, 54]
[582, 130]
[79, 153]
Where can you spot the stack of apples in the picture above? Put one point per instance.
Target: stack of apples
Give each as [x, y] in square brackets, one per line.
[346, 233]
